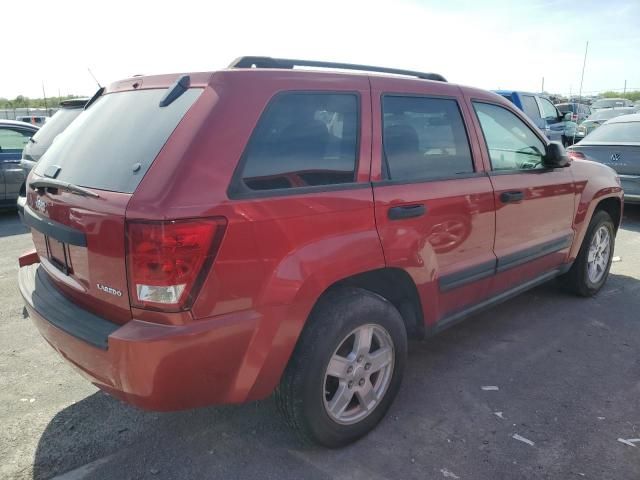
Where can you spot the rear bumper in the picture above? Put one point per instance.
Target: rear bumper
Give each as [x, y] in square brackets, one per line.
[156, 367]
[631, 187]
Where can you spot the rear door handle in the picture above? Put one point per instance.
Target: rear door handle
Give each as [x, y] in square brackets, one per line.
[407, 211]
[510, 197]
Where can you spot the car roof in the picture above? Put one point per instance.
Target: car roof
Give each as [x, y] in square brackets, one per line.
[16, 123]
[634, 117]
[509, 92]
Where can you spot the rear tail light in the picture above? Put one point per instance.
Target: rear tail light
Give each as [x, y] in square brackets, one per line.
[574, 117]
[575, 155]
[167, 261]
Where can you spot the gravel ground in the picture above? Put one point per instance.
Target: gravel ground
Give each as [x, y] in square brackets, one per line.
[567, 371]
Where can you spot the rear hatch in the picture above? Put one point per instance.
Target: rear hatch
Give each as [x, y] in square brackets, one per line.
[78, 193]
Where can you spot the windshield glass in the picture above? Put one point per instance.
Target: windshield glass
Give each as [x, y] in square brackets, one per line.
[56, 124]
[617, 132]
[114, 142]
[608, 103]
[607, 114]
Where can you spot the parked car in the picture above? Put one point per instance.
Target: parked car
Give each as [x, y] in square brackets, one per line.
[579, 112]
[273, 228]
[616, 144]
[611, 103]
[37, 120]
[14, 136]
[42, 140]
[598, 117]
[557, 126]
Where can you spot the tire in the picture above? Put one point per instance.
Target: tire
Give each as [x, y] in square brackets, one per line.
[578, 278]
[307, 389]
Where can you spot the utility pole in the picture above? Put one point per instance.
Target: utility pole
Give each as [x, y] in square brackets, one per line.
[625, 89]
[542, 90]
[45, 99]
[584, 64]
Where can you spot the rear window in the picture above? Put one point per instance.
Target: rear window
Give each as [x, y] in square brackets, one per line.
[112, 144]
[565, 107]
[608, 104]
[303, 140]
[617, 132]
[56, 124]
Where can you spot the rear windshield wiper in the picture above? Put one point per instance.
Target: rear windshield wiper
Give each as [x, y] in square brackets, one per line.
[69, 187]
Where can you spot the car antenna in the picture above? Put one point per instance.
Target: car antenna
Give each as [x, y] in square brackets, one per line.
[94, 77]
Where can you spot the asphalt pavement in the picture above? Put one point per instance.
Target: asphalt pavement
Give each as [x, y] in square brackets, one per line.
[545, 386]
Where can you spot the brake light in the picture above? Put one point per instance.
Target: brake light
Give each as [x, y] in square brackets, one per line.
[168, 261]
[574, 117]
[574, 155]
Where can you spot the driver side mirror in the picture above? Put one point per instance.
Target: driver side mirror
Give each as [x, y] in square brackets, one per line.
[555, 156]
[567, 117]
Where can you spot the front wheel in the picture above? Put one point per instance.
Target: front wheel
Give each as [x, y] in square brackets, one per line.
[591, 267]
[346, 368]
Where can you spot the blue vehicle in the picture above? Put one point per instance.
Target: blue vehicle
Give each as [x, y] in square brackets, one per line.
[555, 125]
[14, 136]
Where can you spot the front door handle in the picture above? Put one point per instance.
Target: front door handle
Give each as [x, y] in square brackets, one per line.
[406, 211]
[510, 197]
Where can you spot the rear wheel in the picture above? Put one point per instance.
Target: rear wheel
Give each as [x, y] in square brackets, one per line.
[591, 267]
[346, 369]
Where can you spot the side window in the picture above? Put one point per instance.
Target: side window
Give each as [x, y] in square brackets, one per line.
[13, 139]
[302, 140]
[510, 142]
[424, 138]
[530, 107]
[548, 110]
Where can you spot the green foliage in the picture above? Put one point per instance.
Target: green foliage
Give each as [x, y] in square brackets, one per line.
[25, 102]
[633, 96]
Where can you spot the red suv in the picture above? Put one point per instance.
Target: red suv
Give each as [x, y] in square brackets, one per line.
[213, 237]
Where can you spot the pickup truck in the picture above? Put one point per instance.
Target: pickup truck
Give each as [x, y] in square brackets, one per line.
[555, 125]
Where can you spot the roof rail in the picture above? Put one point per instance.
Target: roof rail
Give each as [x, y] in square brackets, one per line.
[269, 62]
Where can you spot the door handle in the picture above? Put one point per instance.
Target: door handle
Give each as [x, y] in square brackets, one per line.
[406, 211]
[510, 197]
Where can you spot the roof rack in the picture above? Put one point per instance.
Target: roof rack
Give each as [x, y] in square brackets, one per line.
[285, 63]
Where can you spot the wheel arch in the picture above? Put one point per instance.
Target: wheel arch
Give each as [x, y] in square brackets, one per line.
[394, 285]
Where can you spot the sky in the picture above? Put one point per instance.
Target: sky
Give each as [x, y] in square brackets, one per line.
[487, 44]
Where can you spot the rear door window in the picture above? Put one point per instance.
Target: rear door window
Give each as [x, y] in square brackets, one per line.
[112, 144]
[530, 107]
[424, 138]
[302, 140]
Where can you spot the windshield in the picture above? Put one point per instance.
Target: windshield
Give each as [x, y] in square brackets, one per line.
[617, 133]
[607, 114]
[609, 103]
[114, 142]
[56, 124]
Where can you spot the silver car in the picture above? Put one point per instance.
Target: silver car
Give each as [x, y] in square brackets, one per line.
[616, 144]
[598, 118]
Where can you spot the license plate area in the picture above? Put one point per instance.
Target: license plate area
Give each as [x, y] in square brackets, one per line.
[58, 254]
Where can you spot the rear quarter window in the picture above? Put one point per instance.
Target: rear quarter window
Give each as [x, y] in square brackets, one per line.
[111, 145]
[302, 140]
